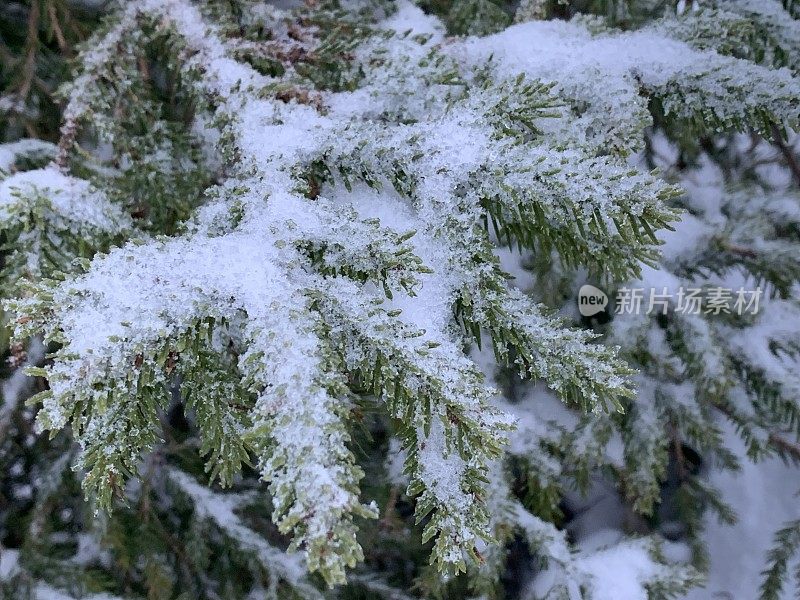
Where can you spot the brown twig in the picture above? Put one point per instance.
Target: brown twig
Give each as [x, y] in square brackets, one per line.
[60, 39]
[788, 153]
[775, 439]
[677, 447]
[31, 44]
[740, 250]
[791, 448]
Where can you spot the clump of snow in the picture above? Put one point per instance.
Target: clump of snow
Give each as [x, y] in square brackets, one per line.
[410, 18]
[605, 73]
[620, 571]
[74, 203]
[11, 153]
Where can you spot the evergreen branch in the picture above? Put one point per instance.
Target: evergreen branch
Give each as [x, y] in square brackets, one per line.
[221, 511]
[449, 430]
[368, 173]
[785, 543]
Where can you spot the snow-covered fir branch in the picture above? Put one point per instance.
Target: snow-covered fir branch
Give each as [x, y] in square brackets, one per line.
[272, 227]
